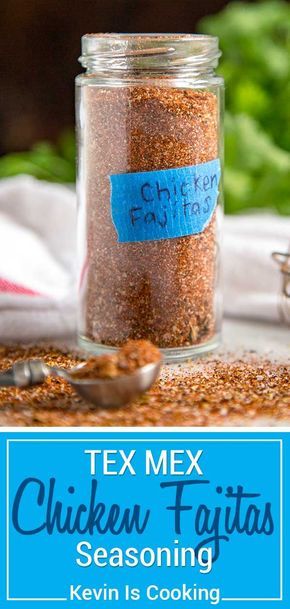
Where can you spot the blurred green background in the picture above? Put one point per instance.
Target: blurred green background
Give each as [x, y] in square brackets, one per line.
[255, 41]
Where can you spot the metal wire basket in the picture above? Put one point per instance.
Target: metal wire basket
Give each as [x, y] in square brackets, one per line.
[283, 260]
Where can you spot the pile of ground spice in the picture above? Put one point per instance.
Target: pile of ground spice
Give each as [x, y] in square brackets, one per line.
[163, 290]
[247, 391]
[132, 355]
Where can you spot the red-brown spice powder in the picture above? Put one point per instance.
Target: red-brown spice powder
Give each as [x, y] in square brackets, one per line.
[240, 392]
[160, 290]
[130, 357]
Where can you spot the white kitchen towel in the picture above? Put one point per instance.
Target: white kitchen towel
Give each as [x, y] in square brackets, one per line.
[38, 261]
[252, 280]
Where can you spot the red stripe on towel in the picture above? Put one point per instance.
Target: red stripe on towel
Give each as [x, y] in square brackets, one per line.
[14, 288]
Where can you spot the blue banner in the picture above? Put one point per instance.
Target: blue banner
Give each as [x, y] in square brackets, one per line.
[164, 204]
[144, 518]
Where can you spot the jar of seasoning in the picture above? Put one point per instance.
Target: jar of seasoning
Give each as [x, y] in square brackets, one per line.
[149, 192]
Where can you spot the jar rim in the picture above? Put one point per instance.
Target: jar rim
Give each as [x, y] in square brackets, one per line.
[149, 51]
[173, 35]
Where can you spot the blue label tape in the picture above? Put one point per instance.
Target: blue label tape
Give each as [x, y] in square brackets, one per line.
[152, 205]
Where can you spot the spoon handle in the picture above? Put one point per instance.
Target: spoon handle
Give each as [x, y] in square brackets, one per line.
[25, 373]
[7, 378]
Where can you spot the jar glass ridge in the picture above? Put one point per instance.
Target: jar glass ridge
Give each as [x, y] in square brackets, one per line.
[149, 105]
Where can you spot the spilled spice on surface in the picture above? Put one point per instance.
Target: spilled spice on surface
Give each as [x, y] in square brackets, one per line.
[131, 356]
[201, 393]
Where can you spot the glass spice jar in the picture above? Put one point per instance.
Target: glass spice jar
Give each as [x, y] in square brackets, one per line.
[149, 133]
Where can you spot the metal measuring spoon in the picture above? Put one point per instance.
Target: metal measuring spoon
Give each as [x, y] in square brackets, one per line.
[104, 392]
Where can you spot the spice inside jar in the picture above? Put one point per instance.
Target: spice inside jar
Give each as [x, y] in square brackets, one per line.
[148, 188]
